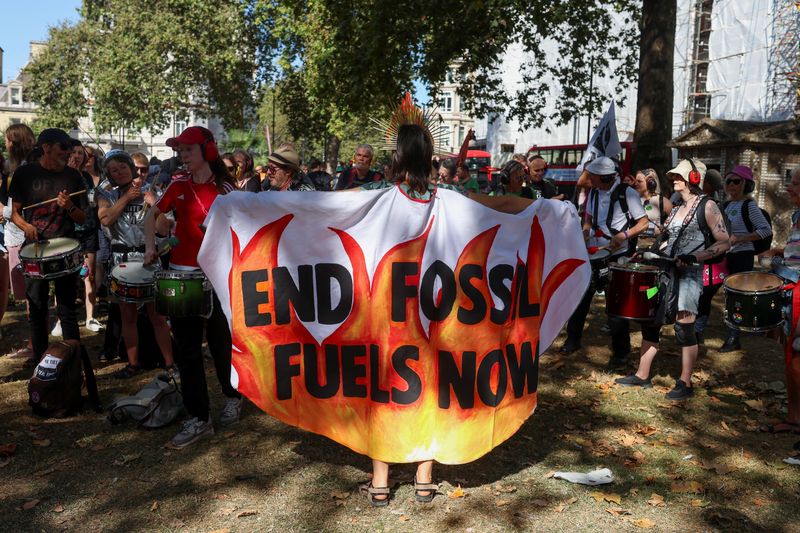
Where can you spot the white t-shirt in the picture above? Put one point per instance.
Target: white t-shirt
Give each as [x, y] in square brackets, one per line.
[618, 220]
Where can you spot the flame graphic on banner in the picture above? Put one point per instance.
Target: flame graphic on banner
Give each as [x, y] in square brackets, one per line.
[375, 410]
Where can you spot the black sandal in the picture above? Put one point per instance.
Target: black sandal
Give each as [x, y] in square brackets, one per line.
[372, 492]
[128, 372]
[430, 488]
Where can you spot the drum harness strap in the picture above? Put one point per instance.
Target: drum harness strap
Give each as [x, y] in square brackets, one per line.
[686, 221]
[617, 196]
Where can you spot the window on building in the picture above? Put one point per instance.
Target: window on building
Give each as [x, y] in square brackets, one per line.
[16, 95]
[445, 135]
[180, 125]
[461, 133]
[446, 102]
[15, 121]
[507, 148]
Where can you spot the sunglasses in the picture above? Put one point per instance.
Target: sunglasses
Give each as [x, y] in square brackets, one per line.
[65, 146]
[734, 181]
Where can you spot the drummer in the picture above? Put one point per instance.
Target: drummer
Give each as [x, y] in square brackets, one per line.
[613, 221]
[791, 258]
[190, 197]
[688, 244]
[122, 210]
[49, 180]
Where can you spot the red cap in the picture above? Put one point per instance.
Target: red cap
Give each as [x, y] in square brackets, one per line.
[191, 135]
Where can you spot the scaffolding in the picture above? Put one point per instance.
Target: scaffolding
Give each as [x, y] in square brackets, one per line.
[698, 101]
[783, 63]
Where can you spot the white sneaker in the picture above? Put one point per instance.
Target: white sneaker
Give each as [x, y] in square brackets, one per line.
[192, 430]
[94, 325]
[56, 331]
[231, 412]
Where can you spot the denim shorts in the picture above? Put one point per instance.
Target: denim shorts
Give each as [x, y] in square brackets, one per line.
[690, 287]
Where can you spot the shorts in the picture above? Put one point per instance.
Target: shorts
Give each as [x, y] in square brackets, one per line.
[104, 247]
[690, 287]
[16, 275]
[91, 242]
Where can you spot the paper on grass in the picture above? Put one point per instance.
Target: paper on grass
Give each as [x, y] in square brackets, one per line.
[596, 477]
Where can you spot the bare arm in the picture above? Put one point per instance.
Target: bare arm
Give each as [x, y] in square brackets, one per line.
[150, 254]
[718, 230]
[16, 217]
[505, 204]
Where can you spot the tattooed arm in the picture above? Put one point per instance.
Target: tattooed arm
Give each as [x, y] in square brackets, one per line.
[718, 230]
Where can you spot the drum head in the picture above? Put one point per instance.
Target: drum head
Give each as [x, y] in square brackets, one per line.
[134, 273]
[753, 282]
[180, 274]
[49, 248]
[599, 255]
[635, 267]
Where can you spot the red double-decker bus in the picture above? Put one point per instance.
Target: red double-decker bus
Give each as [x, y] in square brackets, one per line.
[563, 160]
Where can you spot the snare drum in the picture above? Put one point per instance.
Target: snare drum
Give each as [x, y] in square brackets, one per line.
[182, 293]
[51, 259]
[133, 282]
[633, 291]
[753, 301]
[599, 261]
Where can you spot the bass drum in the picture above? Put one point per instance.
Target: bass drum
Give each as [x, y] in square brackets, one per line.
[633, 291]
[753, 301]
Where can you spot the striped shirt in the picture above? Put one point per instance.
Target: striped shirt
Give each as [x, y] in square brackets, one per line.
[760, 225]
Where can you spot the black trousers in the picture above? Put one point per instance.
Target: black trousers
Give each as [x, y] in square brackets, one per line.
[620, 328]
[188, 335]
[37, 292]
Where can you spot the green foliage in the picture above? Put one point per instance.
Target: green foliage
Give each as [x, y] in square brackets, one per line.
[141, 65]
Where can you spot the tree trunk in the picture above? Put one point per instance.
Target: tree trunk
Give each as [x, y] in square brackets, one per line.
[655, 93]
[332, 154]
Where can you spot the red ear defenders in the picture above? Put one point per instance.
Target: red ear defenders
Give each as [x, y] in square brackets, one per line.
[209, 146]
[694, 175]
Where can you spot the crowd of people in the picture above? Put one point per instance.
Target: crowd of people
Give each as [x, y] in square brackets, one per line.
[127, 209]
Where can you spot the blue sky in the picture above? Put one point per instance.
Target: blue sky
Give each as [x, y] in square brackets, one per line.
[24, 21]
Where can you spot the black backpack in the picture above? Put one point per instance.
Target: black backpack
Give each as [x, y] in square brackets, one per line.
[54, 390]
[761, 245]
[617, 196]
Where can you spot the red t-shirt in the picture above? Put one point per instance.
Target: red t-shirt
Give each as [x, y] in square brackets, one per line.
[191, 202]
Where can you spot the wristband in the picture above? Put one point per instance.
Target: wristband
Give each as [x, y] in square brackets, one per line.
[626, 234]
[71, 209]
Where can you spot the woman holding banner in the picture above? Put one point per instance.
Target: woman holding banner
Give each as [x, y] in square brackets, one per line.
[190, 197]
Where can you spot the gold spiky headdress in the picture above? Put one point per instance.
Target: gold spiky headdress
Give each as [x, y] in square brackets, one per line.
[408, 113]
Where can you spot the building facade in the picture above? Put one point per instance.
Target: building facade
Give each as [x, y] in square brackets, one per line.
[456, 122]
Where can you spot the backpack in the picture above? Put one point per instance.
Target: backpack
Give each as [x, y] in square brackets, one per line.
[761, 245]
[155, 406]
[54, 390]
[617, 196]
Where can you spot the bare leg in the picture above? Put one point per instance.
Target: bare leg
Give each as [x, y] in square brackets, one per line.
[425, 475]
[129, 332]
[380, 476]
[688, 353]
[647, 355]
[89, 285]
[161, 330]
[4, 275]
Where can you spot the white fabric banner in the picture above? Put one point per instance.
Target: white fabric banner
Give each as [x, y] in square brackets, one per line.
[328, 271]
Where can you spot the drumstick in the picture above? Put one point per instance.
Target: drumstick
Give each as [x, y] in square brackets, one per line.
[51, 200]
[650, 256]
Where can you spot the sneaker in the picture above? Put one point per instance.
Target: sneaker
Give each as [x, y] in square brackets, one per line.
[680, 392]
[192, 430]
[173, 372]
[56, 331]
[94, 325]
[634, 381]
[231, 412]
[605, 328]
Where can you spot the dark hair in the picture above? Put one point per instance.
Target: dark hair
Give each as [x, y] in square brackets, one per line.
[120, 158]
[314, 163]
[248, 161]
[98, 155]
[22, 142]
[412, 158]
[221, 174]
[449, 164]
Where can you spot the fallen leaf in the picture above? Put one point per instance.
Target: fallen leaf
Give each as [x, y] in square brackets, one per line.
[698, 503]
[646, 430]
[340, 494]
[550, 474]
[404, 518]
[226, 511]
[720, 469]
[724, 426]
[98, 448]
[457, 492]
[58, 508]
[569, 393]
[501, 503]
[605, 496]
[30, 504]
[126, 459]
[226, 530]
[644, 523]
[656, 500]
[154, 506]
[246, 513]
[689, 487]
[507, 489]
[760, 502]
[756, 405]
[562, 506]
[42, 473]
[42, 443]
[617, 511]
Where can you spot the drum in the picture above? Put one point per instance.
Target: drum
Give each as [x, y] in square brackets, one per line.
[753, 301]
[633, 291]
[133, 282]
[54, 258]
[599, 261]
[182, 293]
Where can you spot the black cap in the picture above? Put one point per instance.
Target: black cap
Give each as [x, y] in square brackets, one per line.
[53, 136]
